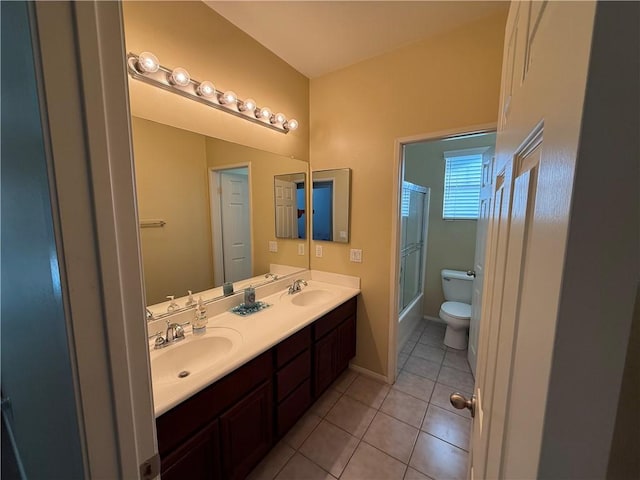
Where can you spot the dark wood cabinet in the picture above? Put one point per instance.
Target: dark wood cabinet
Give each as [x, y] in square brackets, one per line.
[197, 459]
[293, 379]
[325, 355]
[346, 343]
[223, 431]
[334, 345]
[247, 432]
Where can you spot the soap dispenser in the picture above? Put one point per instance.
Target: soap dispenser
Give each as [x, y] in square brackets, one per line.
[199, 323]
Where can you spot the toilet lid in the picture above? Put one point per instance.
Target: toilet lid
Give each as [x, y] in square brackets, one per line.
[457, 309]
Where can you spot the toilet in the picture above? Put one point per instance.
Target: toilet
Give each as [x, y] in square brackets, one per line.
[456, 310]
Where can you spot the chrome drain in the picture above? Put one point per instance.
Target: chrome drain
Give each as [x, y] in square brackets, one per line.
[183, 374]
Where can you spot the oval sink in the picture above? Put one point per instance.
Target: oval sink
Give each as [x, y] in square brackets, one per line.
[193, 355]
[308, 298]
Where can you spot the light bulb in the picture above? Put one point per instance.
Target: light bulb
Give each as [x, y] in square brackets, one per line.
[206, 89]
[278, 118]
[148, 63]
[291, 124]
[264, 113]
[180, 76]
[249, 105]
[229, 98]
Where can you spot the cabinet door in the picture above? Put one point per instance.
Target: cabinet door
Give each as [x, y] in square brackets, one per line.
[247, 432]
[196, 459]
[325, 351]
[346, 343]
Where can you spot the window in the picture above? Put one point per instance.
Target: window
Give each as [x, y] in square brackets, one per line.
[462, 182]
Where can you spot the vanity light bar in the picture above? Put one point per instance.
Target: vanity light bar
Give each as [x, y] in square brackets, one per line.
[145, 67]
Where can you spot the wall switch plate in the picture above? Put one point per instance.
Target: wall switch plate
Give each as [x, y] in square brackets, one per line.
[273, 246]
[355, 255]
[318, 250]
[301, 249]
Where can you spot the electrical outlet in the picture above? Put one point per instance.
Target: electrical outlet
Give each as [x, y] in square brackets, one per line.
[273, 246]
[355, 255]
[318, 250]
[301, 249]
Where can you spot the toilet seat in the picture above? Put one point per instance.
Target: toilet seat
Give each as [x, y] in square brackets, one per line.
[457, 310]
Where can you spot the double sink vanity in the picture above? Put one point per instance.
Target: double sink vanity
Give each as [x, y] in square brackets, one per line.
[222, 399]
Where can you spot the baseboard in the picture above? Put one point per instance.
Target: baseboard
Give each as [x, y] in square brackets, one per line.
[368, 373]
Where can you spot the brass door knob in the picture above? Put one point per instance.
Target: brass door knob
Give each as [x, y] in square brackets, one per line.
[459, 401]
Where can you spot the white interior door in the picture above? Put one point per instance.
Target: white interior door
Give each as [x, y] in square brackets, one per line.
[236, 226]
[543, 83]
[286, 209]
[486, 191]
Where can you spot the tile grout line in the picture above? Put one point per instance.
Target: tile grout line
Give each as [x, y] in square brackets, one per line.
[415, 442]
[360, 440]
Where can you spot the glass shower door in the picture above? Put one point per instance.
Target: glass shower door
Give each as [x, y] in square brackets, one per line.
[414, 211]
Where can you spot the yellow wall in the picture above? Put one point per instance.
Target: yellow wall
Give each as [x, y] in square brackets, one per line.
[193, 36]
[263, 168]
[357, 113]
[451, 244]
[172, 186]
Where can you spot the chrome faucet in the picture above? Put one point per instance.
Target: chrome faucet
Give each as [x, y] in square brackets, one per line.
[174, 333]
[296, 286]
[271, 275]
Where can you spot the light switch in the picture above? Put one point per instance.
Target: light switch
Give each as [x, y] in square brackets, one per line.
[273, 246]
[355, 255]
[318, 250]
[301, 249]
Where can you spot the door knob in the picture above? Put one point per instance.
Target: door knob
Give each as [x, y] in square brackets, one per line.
[459, 401]
[471, 273]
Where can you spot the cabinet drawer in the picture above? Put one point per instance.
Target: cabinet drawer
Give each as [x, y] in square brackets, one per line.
[293, 407]
[332, 319]
[174, 426]
[292, 346]
[290, 376]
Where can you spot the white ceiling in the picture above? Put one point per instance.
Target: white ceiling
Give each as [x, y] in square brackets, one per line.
[318, 37]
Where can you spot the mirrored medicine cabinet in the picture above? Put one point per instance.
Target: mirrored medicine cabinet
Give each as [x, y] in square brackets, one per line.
[330, 200]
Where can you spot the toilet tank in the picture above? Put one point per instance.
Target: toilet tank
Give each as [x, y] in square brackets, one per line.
[457, 286]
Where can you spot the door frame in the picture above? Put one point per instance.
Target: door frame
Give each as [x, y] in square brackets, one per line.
[396, 200]
[216, 218]
[86, 116]
[332, 181]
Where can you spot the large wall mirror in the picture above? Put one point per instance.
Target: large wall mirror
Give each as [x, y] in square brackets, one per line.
[331, 192]
[207, 211]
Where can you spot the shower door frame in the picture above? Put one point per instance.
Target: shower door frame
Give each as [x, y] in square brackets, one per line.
[394, 276]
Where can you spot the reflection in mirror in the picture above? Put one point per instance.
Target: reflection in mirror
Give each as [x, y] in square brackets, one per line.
[330, 201]
[191, 190]
[290, 204]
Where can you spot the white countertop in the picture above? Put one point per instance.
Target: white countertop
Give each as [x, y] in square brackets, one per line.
[259, 332]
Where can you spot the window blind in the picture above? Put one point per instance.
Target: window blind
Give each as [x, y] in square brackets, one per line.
[462, 182]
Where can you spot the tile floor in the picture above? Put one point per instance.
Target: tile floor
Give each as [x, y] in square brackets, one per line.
[362, 429]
